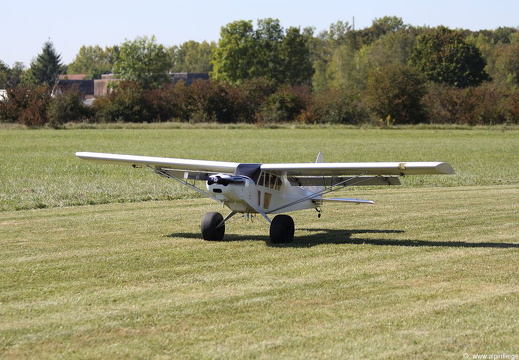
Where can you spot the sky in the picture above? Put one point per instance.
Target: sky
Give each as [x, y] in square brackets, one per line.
[27, 24]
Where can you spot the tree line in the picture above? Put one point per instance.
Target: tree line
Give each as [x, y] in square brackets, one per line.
[388, 73]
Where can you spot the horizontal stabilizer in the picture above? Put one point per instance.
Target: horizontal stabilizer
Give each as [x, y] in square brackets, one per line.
[358, 201]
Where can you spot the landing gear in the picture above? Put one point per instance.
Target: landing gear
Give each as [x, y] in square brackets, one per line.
[282, 229]
[210, 229]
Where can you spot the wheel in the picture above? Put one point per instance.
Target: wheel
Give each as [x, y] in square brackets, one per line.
[282, 229]
[209, 228]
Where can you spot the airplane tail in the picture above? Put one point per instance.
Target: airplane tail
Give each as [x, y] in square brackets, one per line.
[316, 189]
[319, 188]
[319, 158]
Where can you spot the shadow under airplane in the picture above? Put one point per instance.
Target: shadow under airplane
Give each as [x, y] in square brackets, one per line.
[317, 237]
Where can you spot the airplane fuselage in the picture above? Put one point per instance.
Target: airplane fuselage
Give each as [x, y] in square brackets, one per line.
[271, 192]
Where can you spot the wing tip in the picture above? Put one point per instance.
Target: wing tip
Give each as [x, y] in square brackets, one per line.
[445, 168]
[82, 154]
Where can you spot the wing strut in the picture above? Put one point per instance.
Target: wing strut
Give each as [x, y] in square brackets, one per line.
[324, 191]
[230, 215]
[161, 172]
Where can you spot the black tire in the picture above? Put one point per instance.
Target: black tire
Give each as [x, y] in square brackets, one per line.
[209, 228]
[282, 229]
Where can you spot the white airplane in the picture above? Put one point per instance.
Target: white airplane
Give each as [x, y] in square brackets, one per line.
[271, 188]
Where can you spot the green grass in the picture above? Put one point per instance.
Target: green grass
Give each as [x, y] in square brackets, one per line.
[427, 272]
[38, 169]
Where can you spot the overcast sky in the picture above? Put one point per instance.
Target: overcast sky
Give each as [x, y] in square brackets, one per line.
[27, 24]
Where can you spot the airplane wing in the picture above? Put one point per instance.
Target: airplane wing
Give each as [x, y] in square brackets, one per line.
[305, 174]
[183, 168]
[366, 168]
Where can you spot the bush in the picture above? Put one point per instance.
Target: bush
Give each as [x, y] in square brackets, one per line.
[395, 94]
[250, 97]
[26, 104]
[396, 91]
[511, 107]
[443, 104]
[67, 107]
[167, 103]
[124, 103]
[209, 101]
[285, 105]
[487, 104]
[337, 106]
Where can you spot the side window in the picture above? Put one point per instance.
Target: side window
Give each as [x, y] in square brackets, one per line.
[270, 181]
[266, 200]
[277, 183]
[261, 180]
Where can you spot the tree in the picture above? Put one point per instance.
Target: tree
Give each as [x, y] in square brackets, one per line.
[507, 63]
[47, 67]
[234, 57]
[444, 57]
[381, 27]
[395, 92]
[269, 52]
[16, 74]
[391, 48]
[350, 69]
[93, 61]
[340, 33]
[323, 48]
[502, 35]
[192, 56]
[267, 62]
[4, 74]
[343, 70]
[297, 66]
[144, 62]
[11, 77]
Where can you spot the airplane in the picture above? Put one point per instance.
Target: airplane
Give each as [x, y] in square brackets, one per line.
[265, 189]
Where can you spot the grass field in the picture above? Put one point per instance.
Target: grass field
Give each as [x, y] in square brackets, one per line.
[38, 169]
[428, 272]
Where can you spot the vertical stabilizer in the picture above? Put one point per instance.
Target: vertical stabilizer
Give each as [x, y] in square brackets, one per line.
[319, 158]
[316, 189]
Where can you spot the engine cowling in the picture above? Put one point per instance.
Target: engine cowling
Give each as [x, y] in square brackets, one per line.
[237, 192]
[225, 179]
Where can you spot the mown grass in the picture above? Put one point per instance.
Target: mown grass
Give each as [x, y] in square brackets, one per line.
[38, 169]
[428, 272]
[425, 273]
